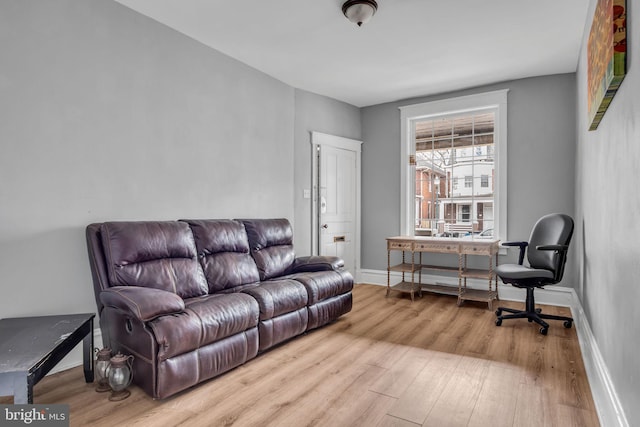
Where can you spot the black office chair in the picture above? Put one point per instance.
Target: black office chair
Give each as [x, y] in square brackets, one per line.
[546, 253]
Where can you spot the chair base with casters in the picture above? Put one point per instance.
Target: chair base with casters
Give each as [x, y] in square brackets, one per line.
[546, 253]
[531, 313]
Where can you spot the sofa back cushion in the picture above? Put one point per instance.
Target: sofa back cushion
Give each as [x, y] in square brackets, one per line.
[271, 243]
[223, 250]
[153, 254]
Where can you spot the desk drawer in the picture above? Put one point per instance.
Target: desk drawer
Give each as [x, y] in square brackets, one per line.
[402, 246]
[438, 247]
[473, 249]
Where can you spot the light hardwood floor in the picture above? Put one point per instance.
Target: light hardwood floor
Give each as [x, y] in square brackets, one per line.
[389, 362]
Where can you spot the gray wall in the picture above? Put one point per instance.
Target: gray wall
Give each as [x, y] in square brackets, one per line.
[608, 223]
[108, 115]
[321, 114]
[541, 148]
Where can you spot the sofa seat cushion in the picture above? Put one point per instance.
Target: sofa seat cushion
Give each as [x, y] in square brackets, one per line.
[278, 297]
[205, 320]
[153, 254]
[321, 285]
[316, 263]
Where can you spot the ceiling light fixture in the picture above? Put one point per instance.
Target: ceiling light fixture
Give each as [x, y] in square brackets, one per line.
[359, 11]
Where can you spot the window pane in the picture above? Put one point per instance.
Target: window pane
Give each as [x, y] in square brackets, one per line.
[442, 128]
[463, 126]
[483, 123]
[454, 175]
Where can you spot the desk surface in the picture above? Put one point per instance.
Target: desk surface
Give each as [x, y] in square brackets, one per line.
[453, 240]
[25, 341]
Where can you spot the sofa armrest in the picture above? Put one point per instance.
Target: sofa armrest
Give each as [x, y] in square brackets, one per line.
[142, 303]
[316, 263]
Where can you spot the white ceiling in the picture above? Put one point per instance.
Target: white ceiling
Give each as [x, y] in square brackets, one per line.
[410, 48]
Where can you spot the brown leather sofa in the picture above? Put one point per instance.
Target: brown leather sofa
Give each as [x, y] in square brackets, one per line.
[192, 299]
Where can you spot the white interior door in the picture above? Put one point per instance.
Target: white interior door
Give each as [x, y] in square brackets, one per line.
[337, 196]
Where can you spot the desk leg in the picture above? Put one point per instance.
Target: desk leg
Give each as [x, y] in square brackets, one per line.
[490, 302]
[413, 274]
[87, 353]
[388, 272]
[420, 277]
[460, 291]
[496, 278]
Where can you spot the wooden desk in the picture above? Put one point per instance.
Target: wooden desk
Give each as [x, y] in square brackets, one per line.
[31, 346]
[460, 247]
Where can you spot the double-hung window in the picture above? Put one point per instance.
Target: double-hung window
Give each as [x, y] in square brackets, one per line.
[454, 167]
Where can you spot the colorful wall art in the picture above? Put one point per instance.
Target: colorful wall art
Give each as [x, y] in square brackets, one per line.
[606, 56]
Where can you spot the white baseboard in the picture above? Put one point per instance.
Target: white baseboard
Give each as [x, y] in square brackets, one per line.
[606, 399]
[610, 412]
[556, 295]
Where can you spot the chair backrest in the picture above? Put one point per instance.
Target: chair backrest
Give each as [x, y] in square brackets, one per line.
[551, 229]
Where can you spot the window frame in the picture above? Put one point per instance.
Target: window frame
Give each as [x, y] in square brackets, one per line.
[409, 114]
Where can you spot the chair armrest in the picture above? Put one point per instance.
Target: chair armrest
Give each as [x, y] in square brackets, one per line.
[316, 263]
[142, 303]
[559, 248]
[521, 245]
